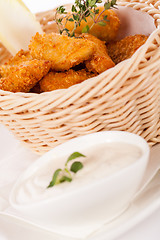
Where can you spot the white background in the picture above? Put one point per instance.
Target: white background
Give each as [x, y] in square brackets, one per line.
[149, 229]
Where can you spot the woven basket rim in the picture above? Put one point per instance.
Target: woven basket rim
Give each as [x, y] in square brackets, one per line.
[121, 64]
[123, 98]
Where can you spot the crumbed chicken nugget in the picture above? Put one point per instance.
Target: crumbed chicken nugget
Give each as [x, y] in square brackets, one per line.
[100, 60]
[19, 58]
[23, 77]
[125, 48]
[60, 80]
[4, 71]
[64, 52]
[105, 33]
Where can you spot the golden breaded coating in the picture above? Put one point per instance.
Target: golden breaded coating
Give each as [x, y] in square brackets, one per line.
[100, 60]
[19, 58]
[61, 80]
[23, 77]
[106, 33]
[64, 52]
[125, 48]
[4, 70]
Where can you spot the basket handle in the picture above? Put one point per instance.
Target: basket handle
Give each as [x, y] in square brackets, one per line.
[155, 3]
[151, 49]
[156, 15]
[152, 7]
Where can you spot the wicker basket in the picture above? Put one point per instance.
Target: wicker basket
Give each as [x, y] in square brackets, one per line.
[126, 97]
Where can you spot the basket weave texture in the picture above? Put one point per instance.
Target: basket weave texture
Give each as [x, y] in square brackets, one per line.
[126, 97]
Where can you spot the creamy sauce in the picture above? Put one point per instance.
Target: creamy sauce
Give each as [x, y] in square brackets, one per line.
[101, 161]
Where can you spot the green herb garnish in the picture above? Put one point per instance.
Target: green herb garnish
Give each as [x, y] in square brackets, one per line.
[65, 175]
[76, 166]
[80, 11]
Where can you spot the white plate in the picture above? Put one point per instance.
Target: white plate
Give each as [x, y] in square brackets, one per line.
[10, 222]
[142, 208]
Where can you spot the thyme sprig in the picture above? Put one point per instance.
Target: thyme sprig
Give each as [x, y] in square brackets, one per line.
[80, 11]
[65, 175]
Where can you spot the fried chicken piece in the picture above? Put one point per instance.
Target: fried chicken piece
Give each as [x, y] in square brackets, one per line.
[64, 52]
[125, 48]
[60, 80]
[23, 77]
[100, 60]
[106, 33]
[4, 71]
[19, 58]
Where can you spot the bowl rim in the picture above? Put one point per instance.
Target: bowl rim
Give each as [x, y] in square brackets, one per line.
[47, 157]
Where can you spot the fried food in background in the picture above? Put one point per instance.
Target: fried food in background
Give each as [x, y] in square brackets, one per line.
[100, 60]
[4, 70]
[125, 48]
[64, 52]
[19, 58]
[106, 33]
[59, 80]
[21, 78]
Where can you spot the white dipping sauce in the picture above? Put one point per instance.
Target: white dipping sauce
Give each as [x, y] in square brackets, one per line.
[101, 161]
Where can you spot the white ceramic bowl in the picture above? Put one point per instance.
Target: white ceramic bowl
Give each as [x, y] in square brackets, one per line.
[101, 201]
